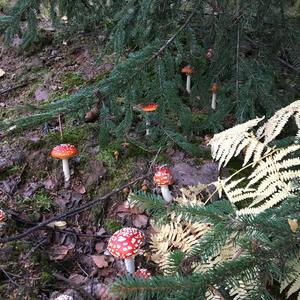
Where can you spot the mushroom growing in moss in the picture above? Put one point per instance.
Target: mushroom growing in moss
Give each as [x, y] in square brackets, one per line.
[64, 152]
[214, 89]
[188, 70]
[147, 109]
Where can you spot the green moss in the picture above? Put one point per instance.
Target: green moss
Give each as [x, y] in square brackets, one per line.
[71, 80]
[41, 202]
[112, 225]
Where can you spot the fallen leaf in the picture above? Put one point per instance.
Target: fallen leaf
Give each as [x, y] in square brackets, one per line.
[77, 279]
[99, 247]
[2, 72]
[100, 232]
[140, 221]
[80, 189]
[58, 252]
[293, 224]
[95, 172]
[100, 261]
[50, 183]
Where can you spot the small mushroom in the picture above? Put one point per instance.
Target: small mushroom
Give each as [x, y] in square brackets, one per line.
[188, 70]
[148, 108]
[117, 155]
[126, 244]
[163, 178]
[2, 216]
[214, 89]
[142, 273]
[63, 152]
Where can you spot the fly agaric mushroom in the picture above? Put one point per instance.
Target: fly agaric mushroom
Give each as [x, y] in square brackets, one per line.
[142, 273]
[163, 178]
[2, 216]
[214, 89]
[188, 70]
[64, 151]
[126, 244]
[148, 108]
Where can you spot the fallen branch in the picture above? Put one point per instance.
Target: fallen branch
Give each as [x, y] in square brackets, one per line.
[70, 212]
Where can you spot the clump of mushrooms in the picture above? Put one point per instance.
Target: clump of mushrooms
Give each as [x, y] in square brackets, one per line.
[64, 152]
[214, 89]
[147, 109]
[164, 178]
[126, 244]
[188, 70]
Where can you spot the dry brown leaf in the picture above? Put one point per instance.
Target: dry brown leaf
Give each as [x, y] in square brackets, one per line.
[77, 279]
[58, 252]
[100, 261]
[2, 72]
[140, 221]
[99, 247]
[293, 224]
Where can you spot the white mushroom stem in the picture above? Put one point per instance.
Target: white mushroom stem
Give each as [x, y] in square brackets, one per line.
[214, 101]
[66, 169]
[188, 83]
[129, 264]
[147, 127]
[166, 193]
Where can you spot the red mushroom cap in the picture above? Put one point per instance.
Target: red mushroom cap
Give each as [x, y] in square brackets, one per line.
[142, 273]
[187, 70]
[163, 176]
[149, 107]
[126, 242]
[2, 215]
[64, 151]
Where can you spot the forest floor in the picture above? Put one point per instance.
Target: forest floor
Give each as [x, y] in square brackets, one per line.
[73, 260]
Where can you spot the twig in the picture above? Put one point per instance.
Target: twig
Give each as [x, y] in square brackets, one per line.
[35, 247]
[70, 212]
[15, 87]
[60, 127]
[237, 54]
[169, 41]
[9, 277]
[79, 289]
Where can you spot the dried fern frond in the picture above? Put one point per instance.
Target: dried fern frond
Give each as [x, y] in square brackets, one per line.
[193, 195]
[272, 128]
[231, 142]
[269, 184]
[175, 235]
[293, 280]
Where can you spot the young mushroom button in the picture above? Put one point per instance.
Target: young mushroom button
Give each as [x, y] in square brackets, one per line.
[163, 178]
[126, 244]
[63, 152]
[142, 273]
